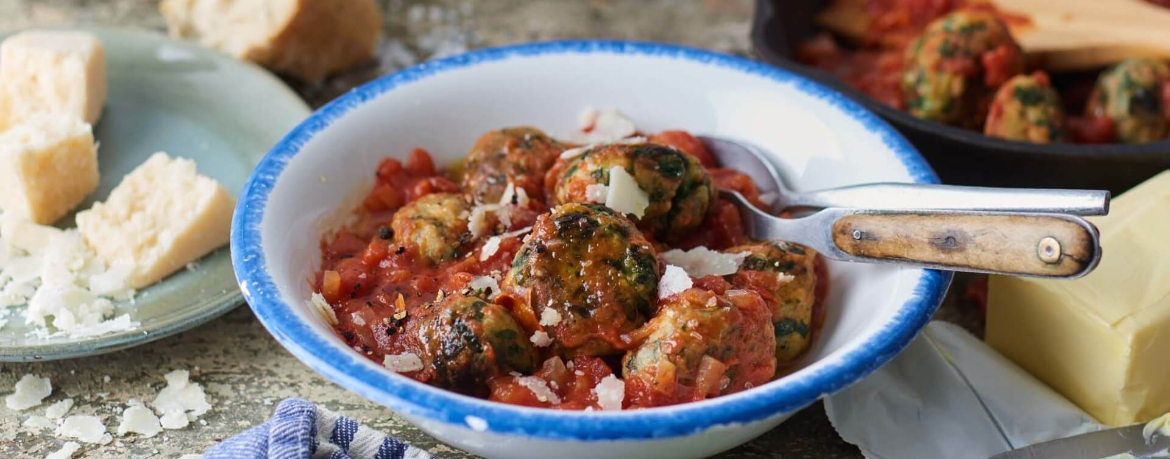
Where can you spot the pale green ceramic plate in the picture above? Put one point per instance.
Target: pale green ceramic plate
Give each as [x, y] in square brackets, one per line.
[166, 95]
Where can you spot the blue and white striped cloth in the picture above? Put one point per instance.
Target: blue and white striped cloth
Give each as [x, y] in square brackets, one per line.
[302, 430]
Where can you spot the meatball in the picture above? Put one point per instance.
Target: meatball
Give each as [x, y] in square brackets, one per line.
[595, 272]
[1130, 94]
[699, 345]
[521, 155]
[678, 186]
[464, 341]
[952, 69]
[1026, 108]
[433, 227]
[785, 276]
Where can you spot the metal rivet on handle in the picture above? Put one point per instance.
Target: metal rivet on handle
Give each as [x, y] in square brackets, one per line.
[857, 235]
[1049, 250]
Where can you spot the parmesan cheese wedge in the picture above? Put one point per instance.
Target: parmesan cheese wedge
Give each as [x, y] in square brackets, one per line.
[48, 165]
[162, 216]
[309, 39]
[52, 72]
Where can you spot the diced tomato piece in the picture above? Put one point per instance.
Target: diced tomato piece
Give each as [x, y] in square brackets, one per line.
[1091, 129]
[419, 163]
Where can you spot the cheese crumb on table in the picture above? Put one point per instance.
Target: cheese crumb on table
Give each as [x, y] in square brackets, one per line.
[162, 216]
[84, 428]
[1101, 340]
[39, 422]
[59, 409]
[48, 165]
[181, 401]
[45, 71]
[66, 451]
[140, 420]
[30, 391]
[309, 39]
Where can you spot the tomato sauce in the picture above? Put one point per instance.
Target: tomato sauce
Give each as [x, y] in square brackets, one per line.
[374, 285]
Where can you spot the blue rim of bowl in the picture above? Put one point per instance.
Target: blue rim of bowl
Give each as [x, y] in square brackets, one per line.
[358, 374]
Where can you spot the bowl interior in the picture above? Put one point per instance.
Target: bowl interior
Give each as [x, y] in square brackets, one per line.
[818, 139]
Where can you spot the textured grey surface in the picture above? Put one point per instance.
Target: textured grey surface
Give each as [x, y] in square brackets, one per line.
[244, 371]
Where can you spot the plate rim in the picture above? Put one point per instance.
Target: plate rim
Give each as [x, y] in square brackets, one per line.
[453, 409]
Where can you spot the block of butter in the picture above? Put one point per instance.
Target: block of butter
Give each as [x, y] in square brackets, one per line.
[309, 39]
[162, 216]
[52, 71]
[1103, 340]
[48, 164]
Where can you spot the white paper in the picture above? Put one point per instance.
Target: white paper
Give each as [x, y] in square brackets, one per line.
[950, 395]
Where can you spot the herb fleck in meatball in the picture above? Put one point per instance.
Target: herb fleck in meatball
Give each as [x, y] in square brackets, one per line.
[434, 226]
[701, 345]
[465, 341]
[593, 268]
[679, 187]
[1026, 108]
[521, 155]
[953, 68]
[1131, 94]
[785, 275]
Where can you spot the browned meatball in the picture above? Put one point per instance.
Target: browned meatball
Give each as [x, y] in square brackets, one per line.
[1026, 108]
[785, 275]
[521, 155]
[587, 271]
[434, 227]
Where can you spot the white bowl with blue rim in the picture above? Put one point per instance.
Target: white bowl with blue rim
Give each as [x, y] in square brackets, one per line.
[817, 137]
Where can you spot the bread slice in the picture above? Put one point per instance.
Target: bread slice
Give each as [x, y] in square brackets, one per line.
[308, 39]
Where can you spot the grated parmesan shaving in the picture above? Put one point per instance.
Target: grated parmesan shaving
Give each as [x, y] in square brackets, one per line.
[487, 284]
[66, 451]
[701, 261]
[624, 195]
[402, 363]
[606, 125]
[596, 193]
[540, 339]
[610, 392]
[674, 280]
[550, 317]
[30, 391]
[492, 245]
[140, 420]
[318, 305]
[540, 389]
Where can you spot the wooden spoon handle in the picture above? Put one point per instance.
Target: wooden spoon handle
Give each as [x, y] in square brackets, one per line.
[1018, 244]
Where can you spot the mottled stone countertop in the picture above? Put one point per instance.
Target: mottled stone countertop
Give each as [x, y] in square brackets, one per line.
[244, 371]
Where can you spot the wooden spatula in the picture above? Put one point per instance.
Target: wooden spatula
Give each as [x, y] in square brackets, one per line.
[1066, 34]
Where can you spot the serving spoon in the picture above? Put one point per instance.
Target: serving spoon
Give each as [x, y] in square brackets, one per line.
[968, 236]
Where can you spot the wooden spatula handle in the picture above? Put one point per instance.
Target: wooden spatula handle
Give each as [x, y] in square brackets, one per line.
[1021, 244]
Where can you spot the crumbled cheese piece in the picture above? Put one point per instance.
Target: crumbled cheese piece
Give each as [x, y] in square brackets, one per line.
[540, 339]
[66, 451]
[39, 422]
[173, 420]
[610, 392]
[606, 125]
[318, 305]
[701, 261]
[140, 420]
[477, 222]
[485, 283]
[785, 278]
[161, 216]
[403, 363]
[674, 280]
[596, 193]
[48, 165]
[181, 398]
[87, 429]
[48, 71]
[514, 195]
[550, 317]
[30, 390]
[539, 388]
[59, 409]
[490, 248]
[476, 423]
[624, 195]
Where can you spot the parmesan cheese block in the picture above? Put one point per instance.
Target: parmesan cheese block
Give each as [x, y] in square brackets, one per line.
[162, 216]
[48, 165]
[309, 39]
[54, 72]
[1101, 340]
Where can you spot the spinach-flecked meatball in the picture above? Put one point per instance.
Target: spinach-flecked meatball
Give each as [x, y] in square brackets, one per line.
[521, 155]
[1026, 108]
[953, 68]
[734, 329]
[1130, 93]
[678, 186]
[434, 226]
[593, 269]
[464, 341]
[785, 276]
